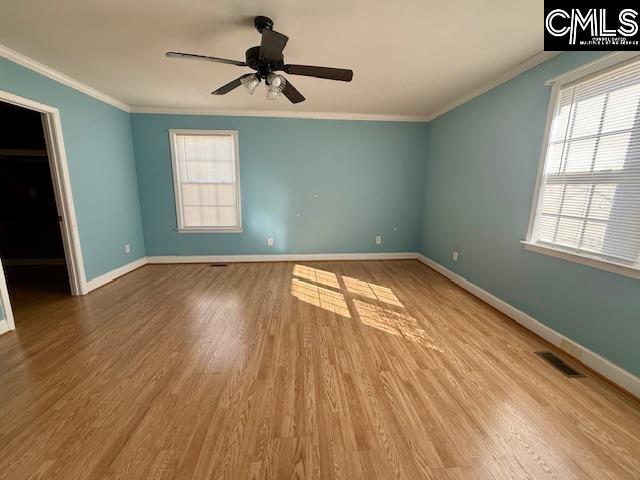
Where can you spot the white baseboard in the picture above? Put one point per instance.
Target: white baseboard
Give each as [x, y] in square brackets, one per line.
[4, 326]
[604, 367]
[113, 274]
[284, 257]
[118, 272]
[621, 377]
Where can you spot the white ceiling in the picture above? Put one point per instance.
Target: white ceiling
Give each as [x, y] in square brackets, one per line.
[410, 57]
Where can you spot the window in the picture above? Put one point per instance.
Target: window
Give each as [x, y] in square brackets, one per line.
[588, 203]
[206, 180]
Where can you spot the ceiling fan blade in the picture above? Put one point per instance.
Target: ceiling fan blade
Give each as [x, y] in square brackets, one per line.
[292, 93]
[231, 85]
[272, 45]
[193, 56]
[341, 74]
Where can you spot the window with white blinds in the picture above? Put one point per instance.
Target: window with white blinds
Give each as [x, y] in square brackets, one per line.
[589, 200]
[205, 171]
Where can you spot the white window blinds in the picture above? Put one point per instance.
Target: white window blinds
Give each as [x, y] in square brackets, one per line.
[206, 180]
[590, 191]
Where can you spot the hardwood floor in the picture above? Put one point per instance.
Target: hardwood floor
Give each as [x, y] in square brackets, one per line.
[379, 369]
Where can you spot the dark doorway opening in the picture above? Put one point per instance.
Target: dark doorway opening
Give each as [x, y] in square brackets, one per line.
[31, 245]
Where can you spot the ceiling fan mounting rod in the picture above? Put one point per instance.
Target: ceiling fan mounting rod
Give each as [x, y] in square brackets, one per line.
[262, 23]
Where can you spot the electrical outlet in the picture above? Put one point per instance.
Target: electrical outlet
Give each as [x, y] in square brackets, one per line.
[454, 257]
[378, 239]
[127, 248]
[269, 241]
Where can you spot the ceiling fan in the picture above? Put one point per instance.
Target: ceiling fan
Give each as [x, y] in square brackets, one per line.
[267, 59]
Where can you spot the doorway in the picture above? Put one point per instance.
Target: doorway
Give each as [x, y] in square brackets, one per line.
[31, 244]
[40, 256]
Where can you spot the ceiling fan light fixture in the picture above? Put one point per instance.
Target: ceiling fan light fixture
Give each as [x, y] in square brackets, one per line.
[275, 86]
[265, 59]
[251, 83]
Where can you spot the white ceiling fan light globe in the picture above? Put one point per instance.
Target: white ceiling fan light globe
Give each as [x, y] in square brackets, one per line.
[275, 86]
[277, 80]
[273, 93]
[251, 83]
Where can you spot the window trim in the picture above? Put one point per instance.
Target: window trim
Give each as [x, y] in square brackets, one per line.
[177, 190]
[596, 67]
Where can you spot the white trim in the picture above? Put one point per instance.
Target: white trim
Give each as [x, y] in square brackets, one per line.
[503, 78]
[282, 257]
[52, 126]
[6, 302]
[4, 326]
[372, 117]
[173, 259]
[38, 67]
[59, 77]
[190, 131]
[64, 198]
[583, 259]
[624, 379]
[114, 274]
[592, 67]
[209, 230]
[542, 158]
[177, 184]
[595, 67]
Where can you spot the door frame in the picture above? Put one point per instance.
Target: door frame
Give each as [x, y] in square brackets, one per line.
[52, 126]
[7, 322]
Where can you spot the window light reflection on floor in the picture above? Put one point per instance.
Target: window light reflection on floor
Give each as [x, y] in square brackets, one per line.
[371, 290]
[320, 297]
[316, 275]
[396, 323]
[389, 321]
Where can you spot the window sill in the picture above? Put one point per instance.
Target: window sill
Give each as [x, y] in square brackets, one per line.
[209, 230]
[583, 259]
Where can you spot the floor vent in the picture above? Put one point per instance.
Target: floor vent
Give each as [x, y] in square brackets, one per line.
[218, 265]
[555, 361]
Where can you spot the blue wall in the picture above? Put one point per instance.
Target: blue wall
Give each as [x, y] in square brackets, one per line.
[464, 181]
[366, 175]
[481, 167]
[99, 151]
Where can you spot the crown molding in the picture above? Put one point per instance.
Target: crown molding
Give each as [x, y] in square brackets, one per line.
[595, 66]
[38, 67]
[373, 117]
[499, 80]
[59, 77]
[42, 69]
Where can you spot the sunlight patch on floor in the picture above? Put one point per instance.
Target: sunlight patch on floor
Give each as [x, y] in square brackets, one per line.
[320, 297]
[396, 323]
[316, 275]
[371, 290]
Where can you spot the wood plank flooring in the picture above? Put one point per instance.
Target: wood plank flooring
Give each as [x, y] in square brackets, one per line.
[351, 370]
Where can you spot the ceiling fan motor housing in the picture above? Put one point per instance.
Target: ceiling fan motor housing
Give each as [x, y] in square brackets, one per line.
[261, 66]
